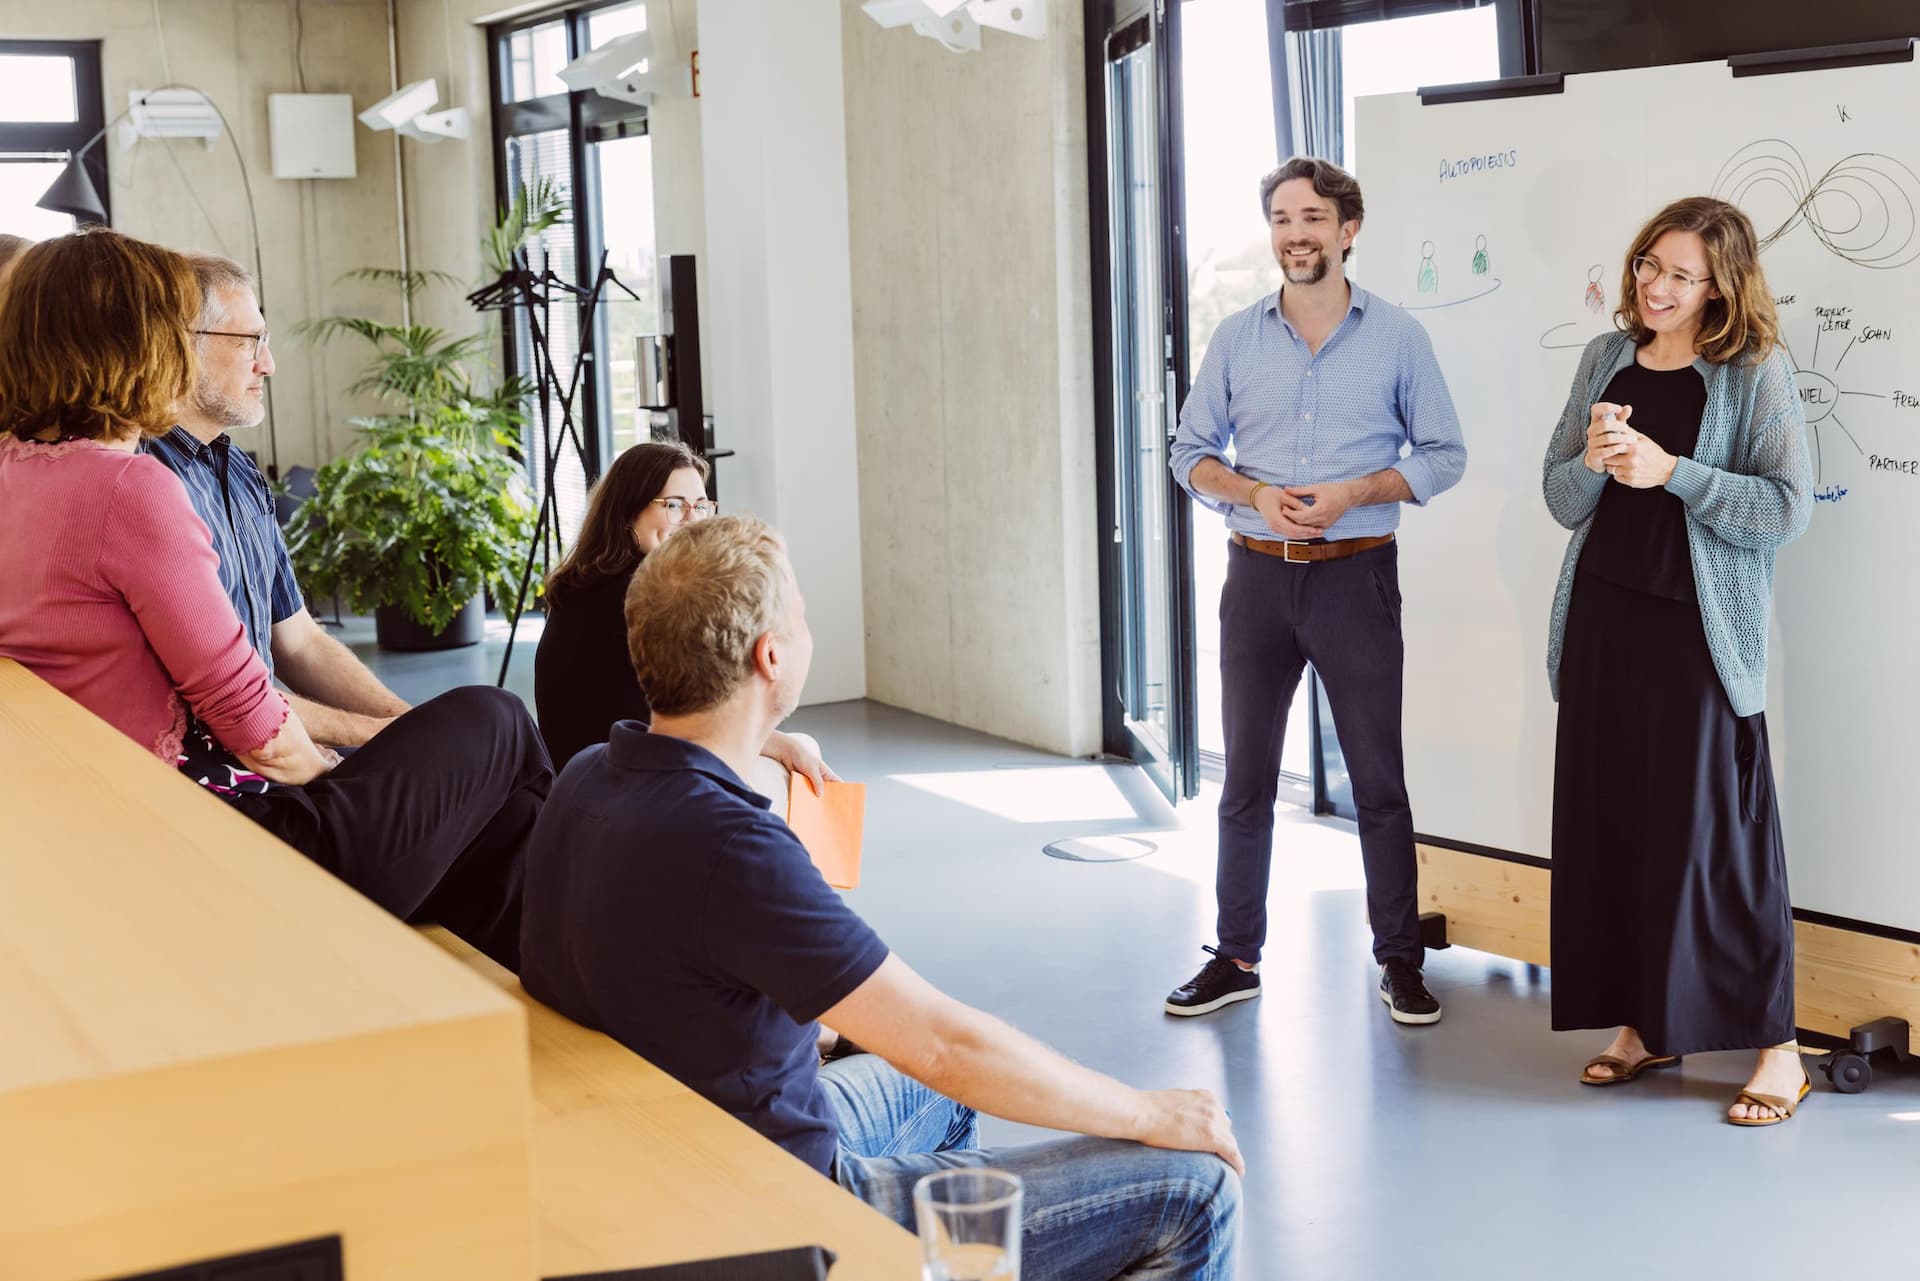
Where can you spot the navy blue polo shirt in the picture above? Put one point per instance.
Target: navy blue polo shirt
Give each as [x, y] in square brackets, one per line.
[233, 499]
[668, 907]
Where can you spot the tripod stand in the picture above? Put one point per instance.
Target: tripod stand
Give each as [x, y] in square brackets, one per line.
[535, 294]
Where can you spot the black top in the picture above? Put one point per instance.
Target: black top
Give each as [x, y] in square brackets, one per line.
[583, 677]
[1639, 536]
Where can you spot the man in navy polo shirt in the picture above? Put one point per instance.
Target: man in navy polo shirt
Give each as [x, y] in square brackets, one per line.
[667, 906]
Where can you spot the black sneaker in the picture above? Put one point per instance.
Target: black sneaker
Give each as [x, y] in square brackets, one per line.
[1220, 982]
[1406, 995]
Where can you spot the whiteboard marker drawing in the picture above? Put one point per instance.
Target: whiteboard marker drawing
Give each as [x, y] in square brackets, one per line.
[1865, 209]
[1596, 292]
[1428, 280]
[1821, 391]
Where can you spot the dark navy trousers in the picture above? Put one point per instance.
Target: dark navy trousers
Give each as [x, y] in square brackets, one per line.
[1343, 616]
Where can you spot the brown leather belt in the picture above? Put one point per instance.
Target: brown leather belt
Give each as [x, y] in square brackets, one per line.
[1305, 553]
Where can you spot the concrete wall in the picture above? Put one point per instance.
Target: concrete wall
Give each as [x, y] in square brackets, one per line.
[183, 194]
[943, 515]
[779, 281]
[972, 377]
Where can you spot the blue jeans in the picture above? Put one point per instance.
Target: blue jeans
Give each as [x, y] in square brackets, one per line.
[1094, 1209]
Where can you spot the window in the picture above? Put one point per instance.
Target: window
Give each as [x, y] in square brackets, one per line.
[50, 107]
[1403, 54]
[595, 152]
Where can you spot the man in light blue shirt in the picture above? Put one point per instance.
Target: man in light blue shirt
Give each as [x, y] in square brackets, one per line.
[1336, 413]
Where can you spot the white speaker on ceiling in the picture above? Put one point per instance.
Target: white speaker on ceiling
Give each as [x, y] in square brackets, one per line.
[311, 135]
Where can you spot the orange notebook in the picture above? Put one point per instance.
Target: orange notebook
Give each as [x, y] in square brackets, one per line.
[830, 827]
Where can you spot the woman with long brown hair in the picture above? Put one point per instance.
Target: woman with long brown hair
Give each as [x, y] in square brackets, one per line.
[1680, 464]
[583, 677]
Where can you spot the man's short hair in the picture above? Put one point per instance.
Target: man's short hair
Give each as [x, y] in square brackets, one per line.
[696, 607]
[1330, 182]
[216, 274]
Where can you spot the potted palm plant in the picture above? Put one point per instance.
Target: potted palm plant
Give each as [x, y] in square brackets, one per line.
[432, 509]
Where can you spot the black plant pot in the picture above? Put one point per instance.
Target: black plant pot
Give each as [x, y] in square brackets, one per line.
[395, 629]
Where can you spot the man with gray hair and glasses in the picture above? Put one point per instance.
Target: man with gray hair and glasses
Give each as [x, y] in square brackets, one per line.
[1335, 413]
[667, 907]
[430, 814]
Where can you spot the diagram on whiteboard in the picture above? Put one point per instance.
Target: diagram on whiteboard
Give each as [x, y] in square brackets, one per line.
[1824, 383]
[1864, 209]
[1594, 299]
[1427, 280]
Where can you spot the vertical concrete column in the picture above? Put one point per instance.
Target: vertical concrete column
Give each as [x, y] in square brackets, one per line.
[779, 339]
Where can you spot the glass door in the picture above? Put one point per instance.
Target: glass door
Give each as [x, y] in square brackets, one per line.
[1151, 526]
[1227, 144]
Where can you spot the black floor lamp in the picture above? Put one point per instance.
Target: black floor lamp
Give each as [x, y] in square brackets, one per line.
[73, 193]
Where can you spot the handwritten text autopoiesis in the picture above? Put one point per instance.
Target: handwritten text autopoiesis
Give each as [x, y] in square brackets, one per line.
[1450, 169]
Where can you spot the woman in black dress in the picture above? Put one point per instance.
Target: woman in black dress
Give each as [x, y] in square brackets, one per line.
[583, 678]
[1681, 464]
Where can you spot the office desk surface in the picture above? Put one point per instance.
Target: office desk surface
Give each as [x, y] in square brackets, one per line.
[145, 925]
[631, 1168]
[208, 1045]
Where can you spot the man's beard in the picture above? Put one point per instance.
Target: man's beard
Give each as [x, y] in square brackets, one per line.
[228, 411]
[1312, 274]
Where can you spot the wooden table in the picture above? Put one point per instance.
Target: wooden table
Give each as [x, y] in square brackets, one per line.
[208, 1045]
[632, 1168]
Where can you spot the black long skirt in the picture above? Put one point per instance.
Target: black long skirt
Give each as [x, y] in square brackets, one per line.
[1670, 908]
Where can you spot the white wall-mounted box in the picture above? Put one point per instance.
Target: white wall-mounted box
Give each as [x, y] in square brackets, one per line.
[312, 135]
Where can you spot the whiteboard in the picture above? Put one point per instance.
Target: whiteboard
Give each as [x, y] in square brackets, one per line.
[1503, 225]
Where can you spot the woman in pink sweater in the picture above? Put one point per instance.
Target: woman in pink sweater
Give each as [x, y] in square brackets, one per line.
[109, 588]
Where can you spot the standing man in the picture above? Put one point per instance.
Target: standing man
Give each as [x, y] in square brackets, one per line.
[1318, 389]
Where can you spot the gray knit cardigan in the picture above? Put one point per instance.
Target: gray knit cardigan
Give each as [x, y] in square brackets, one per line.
[1748, 490]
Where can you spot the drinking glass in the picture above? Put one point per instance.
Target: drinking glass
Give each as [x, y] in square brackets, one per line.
[969, 1225]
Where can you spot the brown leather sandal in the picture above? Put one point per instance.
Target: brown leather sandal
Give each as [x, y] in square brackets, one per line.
[1785, 1107]
[1623, 1071]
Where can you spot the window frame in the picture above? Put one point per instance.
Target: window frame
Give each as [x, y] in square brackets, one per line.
[60, 140]
[583, 114]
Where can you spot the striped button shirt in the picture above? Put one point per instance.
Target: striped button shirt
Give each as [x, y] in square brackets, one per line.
[231, 496]
[1372, 398]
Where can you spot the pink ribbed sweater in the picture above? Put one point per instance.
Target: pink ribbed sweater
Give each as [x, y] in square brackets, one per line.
[110, 592]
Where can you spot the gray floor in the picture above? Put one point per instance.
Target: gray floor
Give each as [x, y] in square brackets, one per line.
[1464, 1150]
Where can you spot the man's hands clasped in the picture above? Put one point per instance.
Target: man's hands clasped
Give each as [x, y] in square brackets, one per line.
[1301, 512]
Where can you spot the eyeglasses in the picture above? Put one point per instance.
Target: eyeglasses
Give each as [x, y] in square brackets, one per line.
[1646, 271]
[259, 340]
[681, 510]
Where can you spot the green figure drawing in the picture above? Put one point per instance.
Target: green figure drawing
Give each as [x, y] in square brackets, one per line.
[1480, 263]
[1429, 274]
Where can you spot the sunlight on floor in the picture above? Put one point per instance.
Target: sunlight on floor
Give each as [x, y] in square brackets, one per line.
[1048, 795]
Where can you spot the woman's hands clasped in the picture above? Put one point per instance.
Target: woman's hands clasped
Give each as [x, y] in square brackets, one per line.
[1623, 453]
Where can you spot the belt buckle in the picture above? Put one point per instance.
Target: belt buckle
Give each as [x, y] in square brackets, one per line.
[1286, 553]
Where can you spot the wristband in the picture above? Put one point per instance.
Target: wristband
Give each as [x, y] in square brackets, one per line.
[1253, 493]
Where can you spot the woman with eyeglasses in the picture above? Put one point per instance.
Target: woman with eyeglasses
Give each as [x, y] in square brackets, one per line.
[1680, 464]
[583, 677]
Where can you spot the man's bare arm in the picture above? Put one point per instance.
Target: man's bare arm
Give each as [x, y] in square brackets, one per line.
[976, 1059]
[339, 699]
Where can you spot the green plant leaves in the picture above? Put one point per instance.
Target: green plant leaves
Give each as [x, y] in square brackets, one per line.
[426, 514]
[534, 210]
